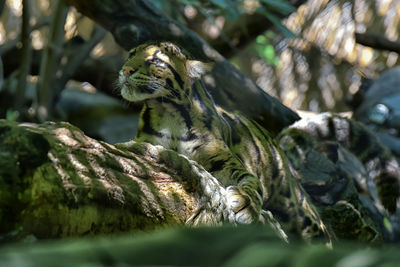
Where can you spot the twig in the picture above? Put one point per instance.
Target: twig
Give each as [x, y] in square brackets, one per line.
[79, 55]
[49, 62]
[25, 66]
[5, 48]
[2, 4]
[1, 74]
[137, 21]
[377, 41]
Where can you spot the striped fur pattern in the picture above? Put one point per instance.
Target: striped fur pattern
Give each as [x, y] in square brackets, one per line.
[179, 114]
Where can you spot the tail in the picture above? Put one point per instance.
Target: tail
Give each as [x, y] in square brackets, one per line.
[380, 165]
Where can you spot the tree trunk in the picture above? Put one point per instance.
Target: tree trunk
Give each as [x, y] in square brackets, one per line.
[57, 182]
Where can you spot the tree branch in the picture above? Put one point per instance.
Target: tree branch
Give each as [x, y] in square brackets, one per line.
[1, 74]
[56, 182]
[100, 72]
[137, 21]
[76, 58]
[377, 41]
[2, 4]
[26, 56]
[49, 63]
[254, 25]
[7, 47]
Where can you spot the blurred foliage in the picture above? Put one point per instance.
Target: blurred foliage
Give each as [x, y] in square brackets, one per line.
[265, 49]
[219, 12]
[230, 9]
[322, 67]
[12, 115]
[310, 61]
[206, 246]
[48, 26]
[42, 33]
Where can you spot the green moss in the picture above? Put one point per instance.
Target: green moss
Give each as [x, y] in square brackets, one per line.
[134, 147]
[183, 167]
[56, 210]
[176, 197]
[28, 149]
[348, 223]
[9, 170]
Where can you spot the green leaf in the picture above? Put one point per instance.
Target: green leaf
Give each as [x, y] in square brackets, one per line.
[284, 8]
[158, 4]
[261, 39]
[223, 4]
[277, 22]
[387, 224]
[195, 3]
[269, 53]
[232, 14]
[12, 115]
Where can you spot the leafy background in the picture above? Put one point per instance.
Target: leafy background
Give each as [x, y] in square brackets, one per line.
[310, 60]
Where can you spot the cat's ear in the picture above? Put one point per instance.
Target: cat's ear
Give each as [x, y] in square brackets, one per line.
[196, 69]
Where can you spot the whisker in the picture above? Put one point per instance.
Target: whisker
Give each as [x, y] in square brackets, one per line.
[116, 86]
[188, 97]
[170, 88]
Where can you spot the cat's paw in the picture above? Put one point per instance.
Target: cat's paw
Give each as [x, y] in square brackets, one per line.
[241, 207]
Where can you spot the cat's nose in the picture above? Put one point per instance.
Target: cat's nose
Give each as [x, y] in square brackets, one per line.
[128, 71]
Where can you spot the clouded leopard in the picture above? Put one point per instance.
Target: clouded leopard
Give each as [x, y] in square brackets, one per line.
[179, 114]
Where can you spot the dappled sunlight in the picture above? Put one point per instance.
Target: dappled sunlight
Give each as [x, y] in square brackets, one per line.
[295, 77]
[214, 28]
[392, 59]
[114, 191]
[77, 164]
[65, 136]
[2, 33]
[70, 25]
[250, 6]
[366, 56]
[175, 30]
[10, 22]
[209, 80]
[148, 200]
[319, 69]
[99, 50]
[37, 39]
[131, 167]
[324, 63]
[88, 88]
[81, 170]
[190, 12]
[383, 7]
[44, 4]
[15, 7]
[65, 178]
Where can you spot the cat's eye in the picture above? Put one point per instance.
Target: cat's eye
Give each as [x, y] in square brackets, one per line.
[155, 60]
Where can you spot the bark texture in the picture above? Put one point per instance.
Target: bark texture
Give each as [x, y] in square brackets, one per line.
[57, 182]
